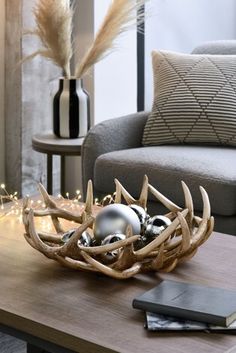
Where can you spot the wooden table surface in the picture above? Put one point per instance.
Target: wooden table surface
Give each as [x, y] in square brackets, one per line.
[91, 313]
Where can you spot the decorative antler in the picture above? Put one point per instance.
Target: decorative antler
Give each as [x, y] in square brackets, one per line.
[177, 243]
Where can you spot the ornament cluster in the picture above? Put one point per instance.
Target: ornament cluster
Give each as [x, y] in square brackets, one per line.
[111, 224]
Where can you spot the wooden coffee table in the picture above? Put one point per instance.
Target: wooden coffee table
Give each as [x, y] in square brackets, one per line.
[59, 310]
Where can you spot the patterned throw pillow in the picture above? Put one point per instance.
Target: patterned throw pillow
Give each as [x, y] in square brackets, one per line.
[194, 100]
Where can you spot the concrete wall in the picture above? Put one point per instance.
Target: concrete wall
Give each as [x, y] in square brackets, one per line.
[180, 25]
[2, 83]
[39, 84]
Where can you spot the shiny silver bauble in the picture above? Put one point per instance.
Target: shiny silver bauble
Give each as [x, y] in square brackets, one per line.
[85, 239]
[142, 215]
[110, 239]
[114, 219]
[155, 226]
[66, 236]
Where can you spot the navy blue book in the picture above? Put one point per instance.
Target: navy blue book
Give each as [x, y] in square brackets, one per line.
[187, 301]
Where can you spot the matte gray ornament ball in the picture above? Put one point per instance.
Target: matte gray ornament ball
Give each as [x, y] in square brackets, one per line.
[110, 239]
[142, 215]
[114, 219]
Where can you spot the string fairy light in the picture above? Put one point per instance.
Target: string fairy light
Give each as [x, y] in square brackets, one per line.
[107, 200]
[16, 207]
[5, 196]
[67, 203]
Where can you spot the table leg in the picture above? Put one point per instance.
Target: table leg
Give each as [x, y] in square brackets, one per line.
[63, 175]
[49, 174]
[33, 349]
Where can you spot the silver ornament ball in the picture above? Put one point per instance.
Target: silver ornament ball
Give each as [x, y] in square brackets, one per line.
[110, 239]
[85, 239]
[155, 226]
[66, 236]
[142, 215]
[114, 219]
[160, 221]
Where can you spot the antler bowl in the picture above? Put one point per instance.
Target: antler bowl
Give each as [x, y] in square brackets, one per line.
[177, 243]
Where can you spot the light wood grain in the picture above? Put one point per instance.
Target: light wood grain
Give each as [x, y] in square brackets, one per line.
[86, 312]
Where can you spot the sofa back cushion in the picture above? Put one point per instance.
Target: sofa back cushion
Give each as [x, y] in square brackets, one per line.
[194, 100]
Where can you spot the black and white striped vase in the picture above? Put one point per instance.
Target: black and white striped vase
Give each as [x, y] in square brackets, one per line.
[71, 109]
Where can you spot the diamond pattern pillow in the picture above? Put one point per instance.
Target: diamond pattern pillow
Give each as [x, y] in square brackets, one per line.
[194, 100]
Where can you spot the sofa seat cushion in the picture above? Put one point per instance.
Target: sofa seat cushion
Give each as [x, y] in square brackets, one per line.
[212, 167]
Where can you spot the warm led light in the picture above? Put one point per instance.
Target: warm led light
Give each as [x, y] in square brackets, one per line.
[67, 204]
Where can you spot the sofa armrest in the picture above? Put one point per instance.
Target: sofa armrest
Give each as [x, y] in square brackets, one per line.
[111, 135]
[220, 47]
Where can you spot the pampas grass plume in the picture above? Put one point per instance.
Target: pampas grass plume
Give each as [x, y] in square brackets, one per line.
[121, 15]
[54, 29]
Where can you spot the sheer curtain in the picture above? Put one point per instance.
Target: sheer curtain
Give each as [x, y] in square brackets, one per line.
[181, 25]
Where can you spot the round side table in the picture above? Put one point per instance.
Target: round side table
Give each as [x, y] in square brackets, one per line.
[51, 145]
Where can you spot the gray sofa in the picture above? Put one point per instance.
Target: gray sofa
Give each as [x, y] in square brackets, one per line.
[113, 149]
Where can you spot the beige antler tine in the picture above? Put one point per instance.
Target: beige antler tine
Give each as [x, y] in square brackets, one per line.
[110, 271]
[210, 228]
[121, 191]
[188, 255]
[74, 264]
[89, 199]
[206, 204]
[71, 247]
[211, 225]
[170, 267]
[161, 238]
[47, 199]
[127, 257]
[118, 194]
[164, 200]
[102, 249]
[40, 245]
[200, 233]
[186, 235]
[157, 263]
[144, 193]
[50, 204]
[188, 205]
[51, 238]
